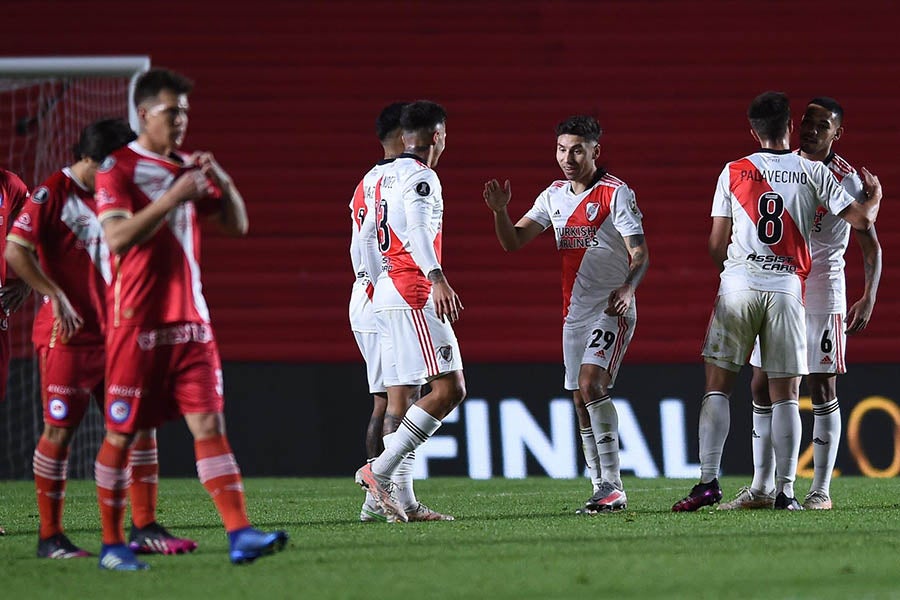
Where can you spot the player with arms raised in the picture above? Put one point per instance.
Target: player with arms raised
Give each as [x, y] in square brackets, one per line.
[414, 303]
[599, 234]
[763, 212]
[162, 359]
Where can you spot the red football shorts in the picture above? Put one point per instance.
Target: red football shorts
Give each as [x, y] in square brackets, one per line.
[157, 375]
[69, 376]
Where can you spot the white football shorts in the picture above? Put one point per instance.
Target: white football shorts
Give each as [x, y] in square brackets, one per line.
[602, 343]
[416, 346]
[826, 343]
[370, 348]
[778, 319]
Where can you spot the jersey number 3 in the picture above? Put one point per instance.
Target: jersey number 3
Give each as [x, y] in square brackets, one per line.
[384, 234]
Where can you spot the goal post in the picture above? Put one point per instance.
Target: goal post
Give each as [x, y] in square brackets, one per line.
[45, 102]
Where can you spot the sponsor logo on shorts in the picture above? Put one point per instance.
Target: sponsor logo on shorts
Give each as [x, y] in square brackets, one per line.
[445, 353]
[119, 411]
[124, 390]
[63, 390]
[58, 408]
[179, 334]
[826, 360]
[600, 353]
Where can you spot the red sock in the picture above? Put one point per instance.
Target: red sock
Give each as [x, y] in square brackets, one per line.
[112, 490]
[50, 467]
[220, 475]
[144, 462]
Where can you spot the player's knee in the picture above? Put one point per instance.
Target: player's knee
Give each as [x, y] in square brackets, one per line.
[119, 440]
[59, 436]
[591, 388]
[454, 389]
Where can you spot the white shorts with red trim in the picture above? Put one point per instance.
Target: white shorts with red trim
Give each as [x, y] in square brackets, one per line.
[602, 343]
[778, 319]
[416, 346]
[826, 343]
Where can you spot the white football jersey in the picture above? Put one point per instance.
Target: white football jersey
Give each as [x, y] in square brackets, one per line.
[362, 316]
[407, 203]
[826, 290]
[589, 229]
[771, 197]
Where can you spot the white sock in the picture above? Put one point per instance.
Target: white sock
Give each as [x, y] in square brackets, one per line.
[715, 420]
[605, 425]
[826, 439]
[786, 430]
[589, 446]
[403, 480]
[415, 429]
[763, 454]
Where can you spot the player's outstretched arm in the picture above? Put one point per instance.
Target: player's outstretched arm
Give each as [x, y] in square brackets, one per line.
[511, 237]
[233, 219]
[123, 232]
[862, 215]
[860, 312]
[29, 269]
[621, 298]
[719, 238]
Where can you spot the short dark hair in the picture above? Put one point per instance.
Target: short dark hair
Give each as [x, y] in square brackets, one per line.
[389, 119]
[770, 114]
[151, 83]
[422, 116]
[830, 104]
[584, 126]
[101, 138]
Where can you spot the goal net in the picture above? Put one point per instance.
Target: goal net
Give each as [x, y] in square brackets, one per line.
[44, 104]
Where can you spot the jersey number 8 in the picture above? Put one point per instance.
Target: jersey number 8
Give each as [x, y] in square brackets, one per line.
[769, 228]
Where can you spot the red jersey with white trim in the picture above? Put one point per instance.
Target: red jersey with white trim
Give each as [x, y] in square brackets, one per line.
[771, 197]
[158, 280]
[13, 194]
[826, 289]
[409, 198]
[362, 316]
[61, 227]
[590, 228]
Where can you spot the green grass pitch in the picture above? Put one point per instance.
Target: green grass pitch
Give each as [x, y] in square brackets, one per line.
[511, 539]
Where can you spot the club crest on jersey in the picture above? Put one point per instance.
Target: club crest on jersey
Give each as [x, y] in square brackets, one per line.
[119, 411]
[591, 209]
[58, 408]
[423, 189]
[40, 195]
[108, 163]
[445, 353]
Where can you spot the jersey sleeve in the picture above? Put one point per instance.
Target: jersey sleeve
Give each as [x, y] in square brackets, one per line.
[18, 193]
[853, 185]
[626, 216]
[112, 194]
[831, 193]
[721, 206]
[421, 194]
[540, 210]
[32, 220]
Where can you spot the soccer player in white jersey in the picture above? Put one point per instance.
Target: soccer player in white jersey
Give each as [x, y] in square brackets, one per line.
[763, 212]
[414, 303]
[828, 321]
[599, 233]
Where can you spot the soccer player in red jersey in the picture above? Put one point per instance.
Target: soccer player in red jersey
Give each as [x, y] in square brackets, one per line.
[162, 356]
[764, 209]
[600, 236]
[57, 248]
[13, 194]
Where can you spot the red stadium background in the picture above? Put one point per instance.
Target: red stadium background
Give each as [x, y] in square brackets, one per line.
[287, 93]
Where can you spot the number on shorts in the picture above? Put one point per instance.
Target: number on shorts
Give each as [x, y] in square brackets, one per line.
[384, 234]
[769, 228]
[826, 342]
[607, 336]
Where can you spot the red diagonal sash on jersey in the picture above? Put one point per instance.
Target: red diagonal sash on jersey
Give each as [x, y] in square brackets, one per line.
[748, 192]
[408, 278]
[572, 257]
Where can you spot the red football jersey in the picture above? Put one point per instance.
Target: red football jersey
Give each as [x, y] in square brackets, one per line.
[158, 280]
[13, 194]
[59, 224]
